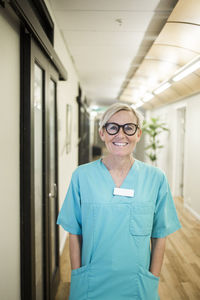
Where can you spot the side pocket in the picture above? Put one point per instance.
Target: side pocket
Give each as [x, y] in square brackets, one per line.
[79, 283]
[141, 221]
[147, 285]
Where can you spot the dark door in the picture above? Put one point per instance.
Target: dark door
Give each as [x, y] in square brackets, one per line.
[44, 174]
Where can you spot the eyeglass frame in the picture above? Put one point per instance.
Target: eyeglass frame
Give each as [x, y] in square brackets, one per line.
[121, 126]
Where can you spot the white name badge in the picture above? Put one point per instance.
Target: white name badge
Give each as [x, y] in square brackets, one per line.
[123, 192]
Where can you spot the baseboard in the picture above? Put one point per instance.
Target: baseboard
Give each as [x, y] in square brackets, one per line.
[193, 212]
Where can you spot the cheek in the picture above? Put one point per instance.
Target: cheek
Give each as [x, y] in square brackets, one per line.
[134, 141]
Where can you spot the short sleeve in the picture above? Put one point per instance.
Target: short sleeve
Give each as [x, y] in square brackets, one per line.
[165, 217]
[70, 214]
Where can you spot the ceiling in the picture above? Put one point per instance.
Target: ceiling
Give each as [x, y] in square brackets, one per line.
[123, 49]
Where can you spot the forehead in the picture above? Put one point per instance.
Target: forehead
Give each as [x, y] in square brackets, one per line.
[123, 117]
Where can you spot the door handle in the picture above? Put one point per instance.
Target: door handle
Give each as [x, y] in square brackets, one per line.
[54, 194]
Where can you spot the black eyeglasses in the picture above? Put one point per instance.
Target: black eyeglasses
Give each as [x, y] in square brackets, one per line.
[128, 128]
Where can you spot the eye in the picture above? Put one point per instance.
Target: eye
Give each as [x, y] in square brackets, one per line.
[112, 127]
[130, 127]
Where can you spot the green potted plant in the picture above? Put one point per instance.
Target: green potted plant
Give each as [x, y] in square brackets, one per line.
[153, 128]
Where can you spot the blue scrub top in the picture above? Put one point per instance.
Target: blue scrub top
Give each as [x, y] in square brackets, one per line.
[116, 230]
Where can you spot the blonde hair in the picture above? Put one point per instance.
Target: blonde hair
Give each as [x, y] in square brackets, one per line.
[114, 108]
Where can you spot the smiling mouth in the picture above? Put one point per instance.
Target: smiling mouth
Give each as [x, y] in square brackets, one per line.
[120, 144]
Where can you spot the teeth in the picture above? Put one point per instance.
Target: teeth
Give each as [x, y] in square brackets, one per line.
[120, 144]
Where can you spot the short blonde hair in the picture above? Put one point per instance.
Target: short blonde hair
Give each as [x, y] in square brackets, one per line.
[114, 108]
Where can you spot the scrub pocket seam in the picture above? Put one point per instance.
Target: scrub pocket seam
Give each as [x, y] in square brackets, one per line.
[79, 283]
[141, 219]
[147, 284]
[147, 273]
[80, 270]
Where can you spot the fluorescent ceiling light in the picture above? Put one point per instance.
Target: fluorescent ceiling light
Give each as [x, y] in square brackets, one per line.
[94, 107]
[187, 71]
[162, 88]
[147, 97]
[138, 104]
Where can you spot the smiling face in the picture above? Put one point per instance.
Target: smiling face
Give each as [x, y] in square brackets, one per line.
[121, 144]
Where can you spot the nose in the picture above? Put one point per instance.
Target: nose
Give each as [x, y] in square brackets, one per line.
[121, 132]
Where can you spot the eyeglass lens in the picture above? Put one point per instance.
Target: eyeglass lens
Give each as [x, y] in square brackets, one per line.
[129, 128]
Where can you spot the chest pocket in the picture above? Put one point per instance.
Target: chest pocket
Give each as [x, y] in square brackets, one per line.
[141, 218]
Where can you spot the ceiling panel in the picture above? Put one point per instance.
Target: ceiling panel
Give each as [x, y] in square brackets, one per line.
[127, 39]
[172, 54]
[168, 94]
[154, 103]
[182, 88]
[156, 69]
[193, 81]
[187, 12]
[181, 35]
[125, 5]
[104, 20]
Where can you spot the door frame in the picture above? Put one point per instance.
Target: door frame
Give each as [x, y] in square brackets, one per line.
[27, 220]
[26, 203]
[52, 283]
[180, 150]
[30, 16]
[83, 129]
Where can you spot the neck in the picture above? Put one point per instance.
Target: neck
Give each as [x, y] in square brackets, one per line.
[118, 163]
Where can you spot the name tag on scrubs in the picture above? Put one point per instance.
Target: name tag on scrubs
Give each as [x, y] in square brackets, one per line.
[123, 192]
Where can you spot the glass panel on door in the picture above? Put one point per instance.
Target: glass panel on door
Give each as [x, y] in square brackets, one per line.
[38, 182]
[52, 175]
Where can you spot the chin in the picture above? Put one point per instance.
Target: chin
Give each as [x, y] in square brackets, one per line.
[120, 153]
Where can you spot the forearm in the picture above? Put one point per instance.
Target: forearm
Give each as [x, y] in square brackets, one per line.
[75, 246]
[157, 255]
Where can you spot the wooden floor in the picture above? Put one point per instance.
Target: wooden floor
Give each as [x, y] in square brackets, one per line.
[180, 276]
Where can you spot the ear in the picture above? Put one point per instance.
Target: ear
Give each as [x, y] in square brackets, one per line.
[139, 133]
[101, 134]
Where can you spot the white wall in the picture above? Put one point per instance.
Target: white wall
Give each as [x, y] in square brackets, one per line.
[168, 159]
[9, 155]
[67, 93]
[192, 153]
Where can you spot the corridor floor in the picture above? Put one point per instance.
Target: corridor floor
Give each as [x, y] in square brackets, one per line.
[180, 276]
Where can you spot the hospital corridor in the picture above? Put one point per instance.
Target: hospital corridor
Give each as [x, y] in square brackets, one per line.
[100, 149]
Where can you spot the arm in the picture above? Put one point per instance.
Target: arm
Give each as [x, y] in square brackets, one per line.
[157, 255]
[75, 247]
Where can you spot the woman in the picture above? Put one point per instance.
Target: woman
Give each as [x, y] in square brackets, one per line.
[115, 209]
